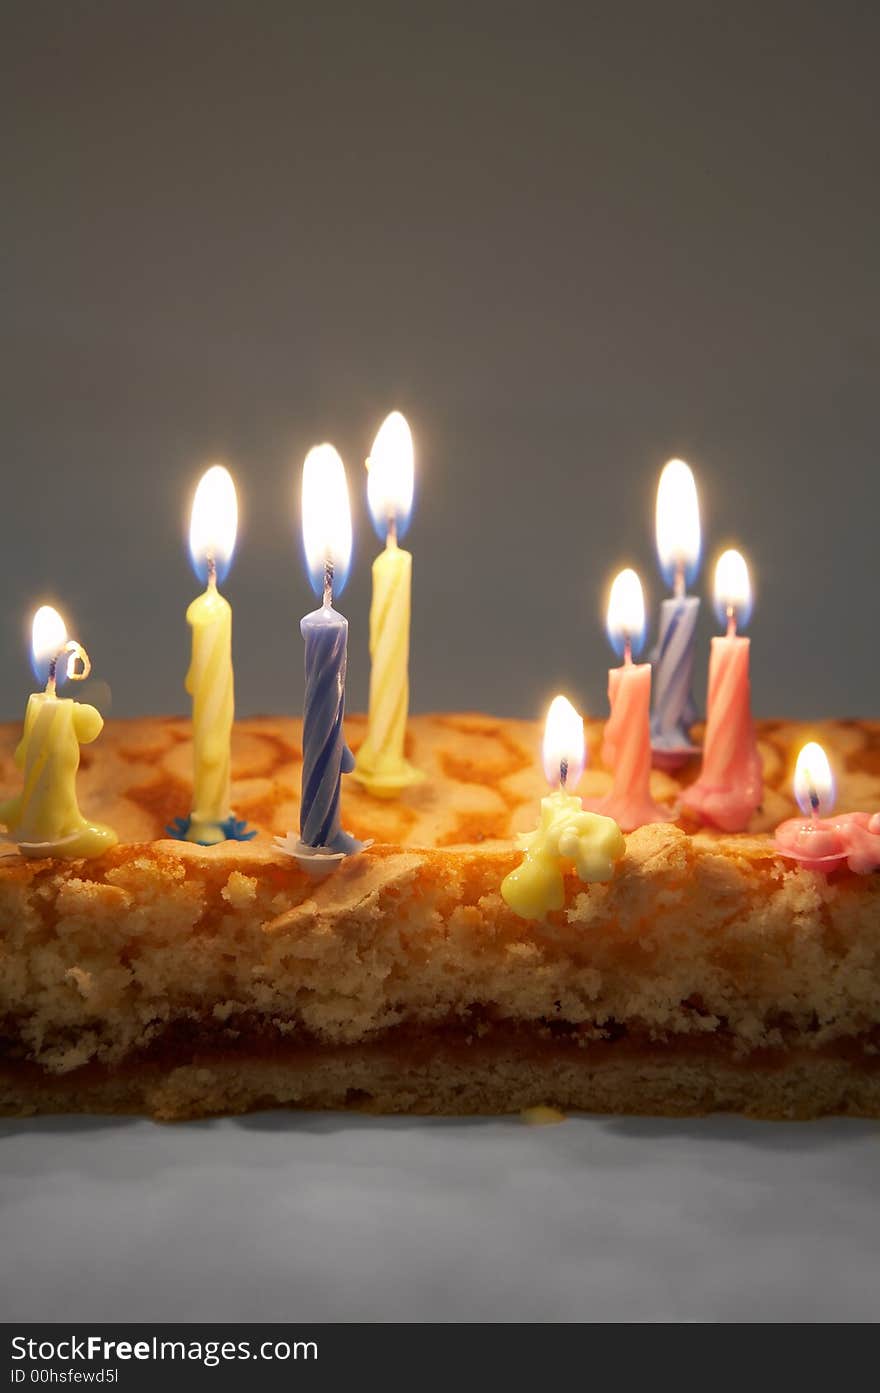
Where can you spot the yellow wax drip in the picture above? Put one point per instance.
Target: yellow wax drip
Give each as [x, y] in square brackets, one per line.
[565, 834]
[381, 766]
[210, 684]
[542, 1116]
[45, 818]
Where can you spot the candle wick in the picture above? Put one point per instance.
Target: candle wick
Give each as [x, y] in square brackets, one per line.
[391, 534]
[814, 801]
[627, 651]
[679, 584]
[731, 621]
[328, 583]
[76, 654]
[563, 773]
[212, 571]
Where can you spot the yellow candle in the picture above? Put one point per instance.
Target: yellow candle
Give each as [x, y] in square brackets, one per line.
[566, 835]
[45, 819]
[209, 680]
[381, 765]
[210, 684]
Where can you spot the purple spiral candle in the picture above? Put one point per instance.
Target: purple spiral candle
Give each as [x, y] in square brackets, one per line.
[673, 708]
[326, 757]
[673, 711]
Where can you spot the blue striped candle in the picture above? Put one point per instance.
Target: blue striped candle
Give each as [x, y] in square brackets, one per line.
[326, 756]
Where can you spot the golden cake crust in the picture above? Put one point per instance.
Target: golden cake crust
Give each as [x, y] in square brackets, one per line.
[707, 939]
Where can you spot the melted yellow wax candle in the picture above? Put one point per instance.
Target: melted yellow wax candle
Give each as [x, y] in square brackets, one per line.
[45, 819]
[381, 766]
[565, 835]
[210, 684]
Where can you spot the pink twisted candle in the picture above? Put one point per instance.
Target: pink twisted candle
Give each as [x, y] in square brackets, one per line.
[730, 785]
[626, 749]
[626, 745]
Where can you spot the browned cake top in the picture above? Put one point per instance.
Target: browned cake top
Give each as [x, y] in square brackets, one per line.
[483, 785]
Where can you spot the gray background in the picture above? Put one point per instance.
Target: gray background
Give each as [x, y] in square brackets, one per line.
[567, 240]
[293, 1217]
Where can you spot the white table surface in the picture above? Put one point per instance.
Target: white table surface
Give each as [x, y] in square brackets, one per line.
[280, 1216]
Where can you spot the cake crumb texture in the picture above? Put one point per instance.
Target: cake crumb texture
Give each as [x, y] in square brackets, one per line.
[698, 937]
[690, 937]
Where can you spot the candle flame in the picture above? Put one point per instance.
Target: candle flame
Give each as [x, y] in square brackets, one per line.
[733, 589]
[326, 517]
[49, 644]
[564, 749]
[48, 637]
[213, 523]
[814, 781]
[390, 476]
[625, 621]
[678, 522]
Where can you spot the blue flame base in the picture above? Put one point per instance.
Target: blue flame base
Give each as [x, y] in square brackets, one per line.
[234, 829]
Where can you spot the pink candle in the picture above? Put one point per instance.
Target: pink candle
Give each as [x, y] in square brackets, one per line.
[730, 786]
[825, 843]
[626, 745]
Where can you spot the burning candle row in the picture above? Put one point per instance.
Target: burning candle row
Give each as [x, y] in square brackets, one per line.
[586, 837]
[327, 536]
[327, 543]
[729, 787]
[45, 819]
[648, 728]
[652, 704]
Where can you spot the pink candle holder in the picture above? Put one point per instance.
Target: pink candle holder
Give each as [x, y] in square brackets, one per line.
[825, 843]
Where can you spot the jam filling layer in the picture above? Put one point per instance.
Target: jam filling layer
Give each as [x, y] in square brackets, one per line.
[192, 1041]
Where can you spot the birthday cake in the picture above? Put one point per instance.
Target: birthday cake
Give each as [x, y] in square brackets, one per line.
[707, 972]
